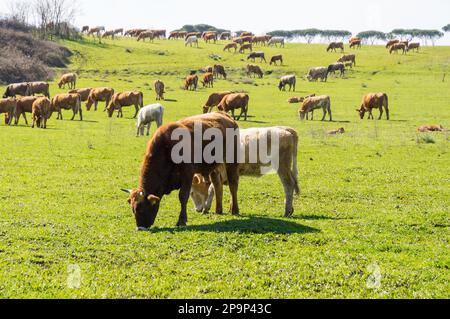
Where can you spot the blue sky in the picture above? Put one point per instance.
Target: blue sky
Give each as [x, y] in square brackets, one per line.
[261, 16]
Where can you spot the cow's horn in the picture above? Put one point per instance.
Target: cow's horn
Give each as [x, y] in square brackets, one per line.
[128, 191]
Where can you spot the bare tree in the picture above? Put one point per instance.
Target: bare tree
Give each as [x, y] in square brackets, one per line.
[55, 17]
[19, 10]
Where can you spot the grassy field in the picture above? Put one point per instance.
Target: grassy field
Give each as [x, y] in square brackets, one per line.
[372, 220]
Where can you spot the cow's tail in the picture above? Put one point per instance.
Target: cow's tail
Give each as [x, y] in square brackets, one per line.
[294, 171]
[141, 100]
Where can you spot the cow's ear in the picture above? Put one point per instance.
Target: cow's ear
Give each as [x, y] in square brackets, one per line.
[196, 180]
[153, 199]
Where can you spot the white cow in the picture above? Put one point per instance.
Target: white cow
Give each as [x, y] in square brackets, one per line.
[147, 115]
[202, 192]
[191, 40]
[276, 40]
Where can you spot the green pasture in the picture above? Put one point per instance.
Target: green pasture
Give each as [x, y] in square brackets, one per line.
[372, 220]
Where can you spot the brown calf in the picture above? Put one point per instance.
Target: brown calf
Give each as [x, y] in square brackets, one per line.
[374, 101]
[235, 101]
[230, 46]
[9, 107]
[214, 100]
[84, 93]
[41, 112]
[120, 100]
[191, 82]
[159, 89]
[99, 95]
[69, 78]
[67, 102]
[208, 80]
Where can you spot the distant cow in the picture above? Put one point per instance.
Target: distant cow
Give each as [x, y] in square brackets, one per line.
[354, 39]
[374, 101]
[208, 80]
[391, 43]
[234, 101]
[430, 128]
[414, 46]
[40, 88]
[41, 112]
[252, 56]
[191, 82]
[15, 89]
[219, 70]
[275, 59]
[245, 47]
[120, 100]
[210, 37]
[191, 40]
[290, 80]
[84, 93]
[109, 33]
[159, 89]
[202, 192]
[230, 46]
[67, 102]
[336, 132]
[9, 107]
[318, 73]
[348, 58]
[146, 35]
[85, 29]
[24, 105]
[355, 43]
[313, 103]
[332, 68]
[70, 79]
[103, 94]
[276, 40]
[398, 46]
[335, 45]
[147, 115]
[225, 36]
[252, 69]
[214, 100]
[298, 99]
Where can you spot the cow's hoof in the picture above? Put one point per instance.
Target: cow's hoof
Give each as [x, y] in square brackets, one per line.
[181, 224]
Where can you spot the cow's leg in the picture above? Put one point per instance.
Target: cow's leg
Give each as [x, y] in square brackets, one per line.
[137, 110]
[184, 198]
[95, 105]
[232, 113]
[312, 115]
[331, 116]
[74, 113]
[24, 117]
[81, 114]
[218, 187]
[286, 180]
[324, 114]
[148, 129]
[387, 113]
[233, 182]
[381, 113]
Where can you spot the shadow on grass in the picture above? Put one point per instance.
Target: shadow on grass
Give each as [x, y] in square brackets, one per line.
[246, 225]
[318, 217]
[170, 100]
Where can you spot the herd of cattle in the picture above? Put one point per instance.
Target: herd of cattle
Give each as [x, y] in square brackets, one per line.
[200, 181]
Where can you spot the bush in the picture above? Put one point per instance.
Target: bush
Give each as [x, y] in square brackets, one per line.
[26, 58]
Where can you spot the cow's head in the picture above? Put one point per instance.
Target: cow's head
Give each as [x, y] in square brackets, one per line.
[199, 193]
[110, 109]
[362, 112]
[145, 208]
[302, 114]
[281, 85]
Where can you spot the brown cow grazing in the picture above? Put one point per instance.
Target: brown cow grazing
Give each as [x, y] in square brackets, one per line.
[286, 159]
[317, 73]
[254, 55]
[235, 101]
[313, 103]
[161, 173]
[99, 95]
[69, 78]
[85, 29]
[355, 43]
[159, 89]
[191, 82]
[40, 88]
[354, 39]
[414, 46]
[348, 58]
[245, 47]
[238, 41]
[260, 40]
[335, 45]
[208, 80]
[254, 69]
[9, 107]
[336, 132]
[120, 100]
[146, 35]
[391, 43]
[219, 70]
[332, 68]
[15, 89]
[225, 36]
[67, 102]
[210, 37]
[374, 101]
[208, 69]
[230, 46]
[275, 59]
[24, 105]
[398, 46]
[110, 34]
[41, 112]
[84, 93]
[430, 128]
[298, 99]
[118, 31]
[214, 100]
